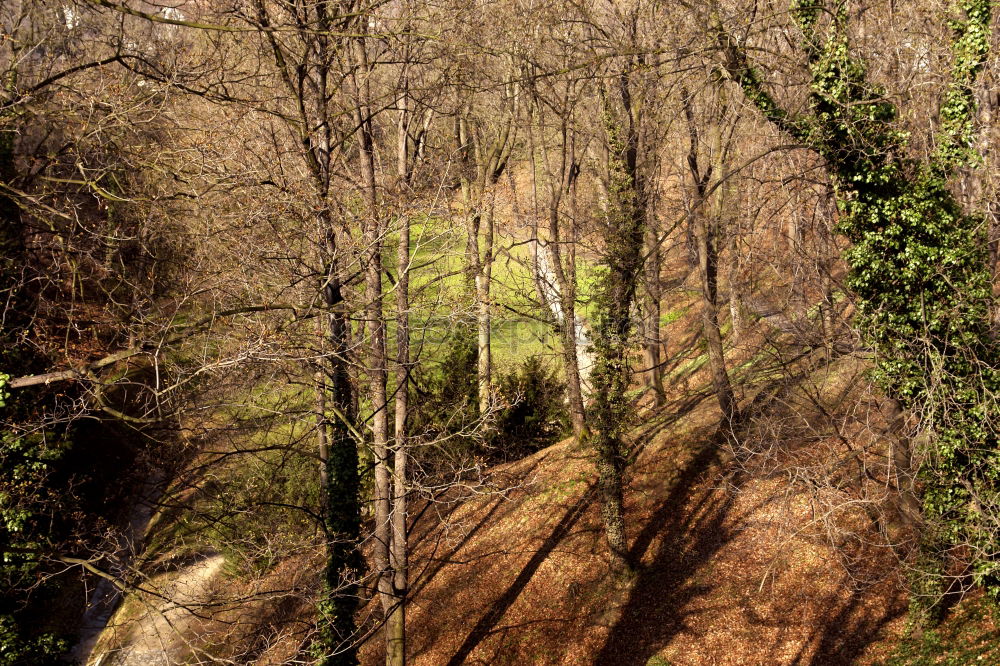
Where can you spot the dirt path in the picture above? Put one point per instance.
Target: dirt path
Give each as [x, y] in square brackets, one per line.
[106, 595]
[163, 634]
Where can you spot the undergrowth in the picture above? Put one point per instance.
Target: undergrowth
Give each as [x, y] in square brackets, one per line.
[969, 636]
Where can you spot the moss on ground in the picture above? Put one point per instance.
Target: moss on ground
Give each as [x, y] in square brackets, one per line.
[969, 635]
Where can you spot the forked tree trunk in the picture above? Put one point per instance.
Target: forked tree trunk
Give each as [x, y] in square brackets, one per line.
[488, 164]
[706, 223]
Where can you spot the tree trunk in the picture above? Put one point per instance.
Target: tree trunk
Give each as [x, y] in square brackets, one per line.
[395, 627]
[653, 343]
[374, 232]
[484, 265]
[565, 275]
[706, 221]
[396, 622]
[561, 271]
[341, 502]
[737, 312]
[488, 165]
[623, 238]
[705, 239]
[378, 377]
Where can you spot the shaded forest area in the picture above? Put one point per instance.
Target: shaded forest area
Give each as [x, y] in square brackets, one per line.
[510, 332]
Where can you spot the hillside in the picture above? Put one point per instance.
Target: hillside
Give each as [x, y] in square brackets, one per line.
[601, 332]
[742, 561]
[733, 570]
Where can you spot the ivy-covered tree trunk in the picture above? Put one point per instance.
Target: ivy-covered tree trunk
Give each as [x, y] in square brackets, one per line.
[623, 230]
[336, 640]
[919, 266]
[342, 486]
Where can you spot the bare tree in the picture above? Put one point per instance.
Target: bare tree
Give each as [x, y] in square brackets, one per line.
[708, 225]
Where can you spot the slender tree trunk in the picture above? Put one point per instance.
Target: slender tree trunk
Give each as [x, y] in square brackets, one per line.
[566, 277]
[479, 273]
[398, 552]
[378, 376]
[653, 343]
[705, 238]
[574, 384]
[377, 362]
[706, 221]
[396, 622]
[737, 312]
[484, 266]
[321, 423]
[827, 263]
[565, 270]
[561, 270]
[473, 193]
[489, 164]
[342, 485]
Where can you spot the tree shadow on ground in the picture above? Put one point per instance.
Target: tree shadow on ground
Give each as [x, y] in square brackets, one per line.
[426, 527]
[439, 519]
[663, 601]
[846, 633]
[655, 610]
[435, 561]
[488, 622]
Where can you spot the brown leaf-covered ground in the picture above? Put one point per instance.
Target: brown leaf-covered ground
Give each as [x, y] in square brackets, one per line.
[733, 569]
[762, 553]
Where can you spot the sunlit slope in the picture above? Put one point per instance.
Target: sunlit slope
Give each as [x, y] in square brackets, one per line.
[737, 567]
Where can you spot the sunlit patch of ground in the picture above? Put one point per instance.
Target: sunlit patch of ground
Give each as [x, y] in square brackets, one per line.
[733, 570]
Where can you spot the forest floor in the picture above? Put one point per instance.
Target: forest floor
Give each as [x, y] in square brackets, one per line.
[743, 557]
[736, 565]
[731, 571]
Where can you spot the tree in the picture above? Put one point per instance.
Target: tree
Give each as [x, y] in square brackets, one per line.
[708, 229]
[557, 144]
[623, 230]
[484, 151]
[918, 264]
